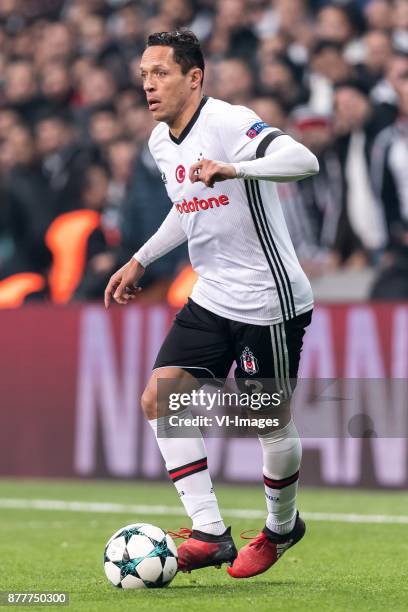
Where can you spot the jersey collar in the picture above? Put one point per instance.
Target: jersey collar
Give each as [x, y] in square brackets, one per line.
[190, 124]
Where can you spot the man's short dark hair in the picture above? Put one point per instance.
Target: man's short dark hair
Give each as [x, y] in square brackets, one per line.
[186, 48]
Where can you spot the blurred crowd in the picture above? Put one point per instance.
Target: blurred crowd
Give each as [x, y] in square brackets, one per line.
[79, 191]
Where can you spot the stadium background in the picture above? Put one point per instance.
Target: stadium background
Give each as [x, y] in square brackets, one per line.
[79, 193]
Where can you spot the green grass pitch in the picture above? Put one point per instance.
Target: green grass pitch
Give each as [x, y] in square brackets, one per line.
[338, 566]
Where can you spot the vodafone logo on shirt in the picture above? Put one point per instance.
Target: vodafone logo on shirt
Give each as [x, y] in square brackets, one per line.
[196, 205]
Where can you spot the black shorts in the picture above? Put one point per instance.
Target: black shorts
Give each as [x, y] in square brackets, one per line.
[206, 345]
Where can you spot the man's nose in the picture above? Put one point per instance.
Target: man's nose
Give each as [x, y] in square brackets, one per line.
[148, 84]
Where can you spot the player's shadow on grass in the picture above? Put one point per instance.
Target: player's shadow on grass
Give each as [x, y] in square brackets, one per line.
[232, 588]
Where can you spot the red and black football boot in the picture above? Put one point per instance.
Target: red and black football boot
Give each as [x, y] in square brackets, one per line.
[265, 550]
[204, 549]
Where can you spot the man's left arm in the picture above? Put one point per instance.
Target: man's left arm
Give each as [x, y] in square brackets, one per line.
[271, 156]
[281, 159]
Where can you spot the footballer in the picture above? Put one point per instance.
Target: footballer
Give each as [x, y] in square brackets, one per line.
[251, 303]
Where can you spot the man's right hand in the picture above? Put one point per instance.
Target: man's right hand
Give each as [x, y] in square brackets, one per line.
[122, 286]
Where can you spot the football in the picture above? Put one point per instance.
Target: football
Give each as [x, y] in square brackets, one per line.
[140, 556]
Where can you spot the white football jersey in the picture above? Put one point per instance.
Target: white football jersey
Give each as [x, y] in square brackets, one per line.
[238, 241]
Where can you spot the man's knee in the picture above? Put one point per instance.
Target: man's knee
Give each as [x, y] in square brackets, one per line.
[155, 398]
[149, 403]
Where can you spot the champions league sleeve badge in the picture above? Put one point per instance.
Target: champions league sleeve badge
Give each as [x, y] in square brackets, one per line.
[249, 362]
[256, 129]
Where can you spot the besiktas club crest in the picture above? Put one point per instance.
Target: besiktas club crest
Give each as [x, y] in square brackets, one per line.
[249, 362]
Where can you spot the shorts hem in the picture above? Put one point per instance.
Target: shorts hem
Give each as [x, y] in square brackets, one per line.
[185, 367]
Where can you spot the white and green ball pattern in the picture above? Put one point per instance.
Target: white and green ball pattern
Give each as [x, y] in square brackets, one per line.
[140, 556]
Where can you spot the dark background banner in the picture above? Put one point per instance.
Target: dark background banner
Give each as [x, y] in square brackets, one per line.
[71, 380]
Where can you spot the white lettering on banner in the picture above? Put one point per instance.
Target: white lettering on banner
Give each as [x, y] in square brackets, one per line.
[376, 396]
[399, 352]
[363, 357]
[362, 360]
[389, 456]
[103, 393]
[341, 457]
[396, 476]
[152, 464]
[108, 399]
[318, 361]
[318, 356]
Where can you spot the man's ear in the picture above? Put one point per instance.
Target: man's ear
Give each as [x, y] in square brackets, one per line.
[196, 77]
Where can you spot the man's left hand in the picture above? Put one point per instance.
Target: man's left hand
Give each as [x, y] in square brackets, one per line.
[210, 172]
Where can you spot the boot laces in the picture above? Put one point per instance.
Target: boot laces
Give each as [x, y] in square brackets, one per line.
[183, 533]
[257, 541]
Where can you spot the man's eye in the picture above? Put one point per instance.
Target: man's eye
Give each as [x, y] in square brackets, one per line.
[161, 73]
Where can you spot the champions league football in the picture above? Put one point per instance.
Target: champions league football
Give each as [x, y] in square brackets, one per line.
[140, 556]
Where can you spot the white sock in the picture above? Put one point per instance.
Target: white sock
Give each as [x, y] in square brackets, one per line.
[186, 462]
[216, 529]
[282, 453]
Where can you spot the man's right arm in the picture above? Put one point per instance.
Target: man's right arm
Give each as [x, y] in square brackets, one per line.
[122, 285]
[169, 236]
